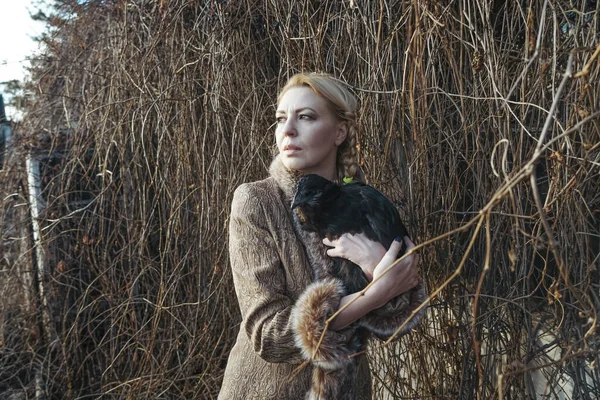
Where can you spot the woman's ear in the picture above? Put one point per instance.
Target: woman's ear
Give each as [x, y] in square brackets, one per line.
[342, 133]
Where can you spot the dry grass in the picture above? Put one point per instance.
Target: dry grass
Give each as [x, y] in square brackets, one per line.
[149, 114]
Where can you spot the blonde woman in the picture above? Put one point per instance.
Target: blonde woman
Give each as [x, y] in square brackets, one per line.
[281, 273]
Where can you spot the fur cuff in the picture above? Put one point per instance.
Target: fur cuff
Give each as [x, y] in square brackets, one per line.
[384, 321]
[320, 301]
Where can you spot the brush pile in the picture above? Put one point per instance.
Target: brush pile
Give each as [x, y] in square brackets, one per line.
[480, 119]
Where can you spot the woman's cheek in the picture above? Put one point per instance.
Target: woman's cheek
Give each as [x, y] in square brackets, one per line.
[278, 140]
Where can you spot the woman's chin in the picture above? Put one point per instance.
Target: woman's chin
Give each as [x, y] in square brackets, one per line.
[293, 163]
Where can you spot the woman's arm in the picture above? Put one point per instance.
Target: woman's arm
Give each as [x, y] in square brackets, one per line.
[272, 320]
[373, 260]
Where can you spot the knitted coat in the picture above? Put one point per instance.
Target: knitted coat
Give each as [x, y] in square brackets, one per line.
[285, 293]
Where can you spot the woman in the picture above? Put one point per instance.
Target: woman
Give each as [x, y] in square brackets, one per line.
[281, 273]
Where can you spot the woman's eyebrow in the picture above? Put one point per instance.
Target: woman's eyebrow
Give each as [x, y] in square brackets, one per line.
[297, 111]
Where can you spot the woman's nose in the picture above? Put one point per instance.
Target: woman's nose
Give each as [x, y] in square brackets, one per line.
[289, 128]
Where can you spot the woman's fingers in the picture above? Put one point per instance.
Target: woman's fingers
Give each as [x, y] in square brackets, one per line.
[404, 275]
[334, 252]
[336, 247]
[357, 248]
[345, 246]
[392, 252]
[328, 242]
[390, 258]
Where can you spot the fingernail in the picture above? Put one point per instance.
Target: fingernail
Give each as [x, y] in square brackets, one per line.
[398, 239]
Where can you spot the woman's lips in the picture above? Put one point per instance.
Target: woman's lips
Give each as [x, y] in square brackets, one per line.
[291, 149]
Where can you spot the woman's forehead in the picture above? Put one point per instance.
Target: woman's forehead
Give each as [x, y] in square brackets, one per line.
[301, 97]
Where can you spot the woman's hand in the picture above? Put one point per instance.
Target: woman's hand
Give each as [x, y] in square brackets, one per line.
[357, 248]
[403, 276]
[362, 251]
[373, 259]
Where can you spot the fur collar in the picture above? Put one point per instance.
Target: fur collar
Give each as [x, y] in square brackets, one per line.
[285, 178]
[322, 265]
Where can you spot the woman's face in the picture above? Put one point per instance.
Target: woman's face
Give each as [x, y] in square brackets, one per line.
[308, 133]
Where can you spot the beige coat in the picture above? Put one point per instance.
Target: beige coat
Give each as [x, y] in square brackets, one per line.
[285, 294]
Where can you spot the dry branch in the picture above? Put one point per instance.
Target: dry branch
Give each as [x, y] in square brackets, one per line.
[146, 116]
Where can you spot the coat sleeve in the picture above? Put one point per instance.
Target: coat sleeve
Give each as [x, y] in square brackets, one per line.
[280, 328]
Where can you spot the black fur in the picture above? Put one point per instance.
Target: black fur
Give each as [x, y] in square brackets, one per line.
[331, 210]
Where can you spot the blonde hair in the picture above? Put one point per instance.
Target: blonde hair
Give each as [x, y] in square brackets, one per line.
[343, 104]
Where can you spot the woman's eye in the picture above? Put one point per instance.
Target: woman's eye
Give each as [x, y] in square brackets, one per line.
[305, 116]
[280, 120]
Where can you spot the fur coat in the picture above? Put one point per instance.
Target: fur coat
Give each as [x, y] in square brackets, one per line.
[285, 293]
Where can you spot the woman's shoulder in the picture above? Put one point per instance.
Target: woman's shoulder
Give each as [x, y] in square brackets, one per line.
[254, 195]
[265, 188]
